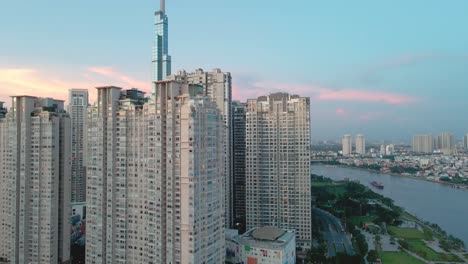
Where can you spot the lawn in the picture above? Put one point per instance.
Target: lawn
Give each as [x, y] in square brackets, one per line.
[406, 233]
[422, 250]
[399, 258]
[357, 220]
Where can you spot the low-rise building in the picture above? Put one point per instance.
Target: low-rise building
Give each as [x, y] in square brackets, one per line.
[261, 245]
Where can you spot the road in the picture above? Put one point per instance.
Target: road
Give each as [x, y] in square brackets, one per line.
[333, 233]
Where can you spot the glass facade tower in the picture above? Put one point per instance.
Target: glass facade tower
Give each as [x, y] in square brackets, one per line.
[161, 59]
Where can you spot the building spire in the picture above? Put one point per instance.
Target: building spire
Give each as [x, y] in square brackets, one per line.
[163, 6]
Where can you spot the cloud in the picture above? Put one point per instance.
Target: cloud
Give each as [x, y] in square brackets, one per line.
[26, 81]
[41, 83]
[330, 94]
[120, 77]
[340, 112]
[366, 96]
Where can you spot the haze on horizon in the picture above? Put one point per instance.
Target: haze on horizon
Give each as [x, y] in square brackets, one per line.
[386, 69]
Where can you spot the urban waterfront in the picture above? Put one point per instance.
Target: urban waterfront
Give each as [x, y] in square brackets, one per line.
[433, 202]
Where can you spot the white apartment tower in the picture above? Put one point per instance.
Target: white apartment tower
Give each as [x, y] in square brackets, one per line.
[155, 177]
[446, 143]
[278, 164]
[360, 144]
[347, 145]
[35, 174]
[77, 108]
[423, 143]
[217, 85]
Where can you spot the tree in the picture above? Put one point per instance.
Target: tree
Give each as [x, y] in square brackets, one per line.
[373, 256]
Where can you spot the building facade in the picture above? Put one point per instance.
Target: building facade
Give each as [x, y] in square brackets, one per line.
[446, 143]
[161, 62]
[155, 171]
[36, 180]
[3, 110]
[78, 111]
[217, 85]
[347, 145]
[238, 164]
[423, 143]
[278, 164]
[264, 245]
[360, 144]
[465, 141]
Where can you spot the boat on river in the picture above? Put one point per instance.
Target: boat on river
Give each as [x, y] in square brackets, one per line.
[377, 185]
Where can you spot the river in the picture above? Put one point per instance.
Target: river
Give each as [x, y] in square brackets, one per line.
[433, 202]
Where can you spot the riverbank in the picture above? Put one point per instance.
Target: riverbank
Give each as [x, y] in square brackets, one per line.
[454, 185]
[436, 203]
[391, 232]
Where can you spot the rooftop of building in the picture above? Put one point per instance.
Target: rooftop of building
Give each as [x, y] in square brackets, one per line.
[264, 237]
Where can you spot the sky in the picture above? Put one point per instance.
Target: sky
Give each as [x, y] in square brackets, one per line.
[387, 69]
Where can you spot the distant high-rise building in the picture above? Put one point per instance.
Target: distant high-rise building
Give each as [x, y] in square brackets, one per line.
[278, 164]
[35, 190]
[3, 110]
[447, 143]
[347, 145]
[238, 163]
[77, 108]
[217, 85]
[423, 143]
[161, 58]
[360, 144]
[389, 150]
[382, 150]
[155, 177]
[465, 141]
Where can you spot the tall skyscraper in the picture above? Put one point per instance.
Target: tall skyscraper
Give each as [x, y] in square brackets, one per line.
[161, 59]
[217, 85]
[238, 163]
[360, 144]
[155, 177]
[35, 197]
[77, 108]
[447, 143]
[465, 141]
[423, 143]
[347, 145]
[278, 164]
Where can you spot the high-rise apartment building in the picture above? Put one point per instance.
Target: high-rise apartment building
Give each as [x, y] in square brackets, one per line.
[238, 163]
[77, 109]
[465, 141]
[161, 62]
[35, 174]
[347, 145]
[423, 143]
[217, 85]
[446, 143]
[155, 177]
[278, 164]
[360, 144]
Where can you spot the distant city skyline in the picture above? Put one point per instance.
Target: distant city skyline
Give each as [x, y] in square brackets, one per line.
[392, 68]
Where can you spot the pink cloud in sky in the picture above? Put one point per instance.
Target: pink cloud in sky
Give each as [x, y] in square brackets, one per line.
[340, 112]
[121, 78]
[329, 94]
[25, 81]
[366, 96]
[34, 82]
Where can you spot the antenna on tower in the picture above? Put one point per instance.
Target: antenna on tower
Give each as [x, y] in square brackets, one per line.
[163, 6]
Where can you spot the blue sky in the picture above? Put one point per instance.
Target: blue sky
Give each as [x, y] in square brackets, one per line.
[388, 69]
